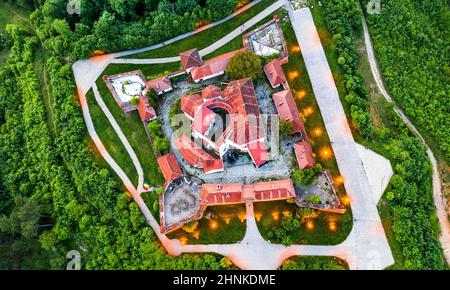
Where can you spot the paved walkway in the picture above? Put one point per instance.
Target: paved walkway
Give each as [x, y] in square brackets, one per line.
[213, 47]
[439, 200]
[365, 248]
[368, 242]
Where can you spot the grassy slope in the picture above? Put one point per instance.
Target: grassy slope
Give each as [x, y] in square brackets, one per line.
[134, 131]
[10, 14]
[205, 38]
[110, 139]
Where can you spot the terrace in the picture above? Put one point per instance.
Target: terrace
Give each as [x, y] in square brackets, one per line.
[125, 87]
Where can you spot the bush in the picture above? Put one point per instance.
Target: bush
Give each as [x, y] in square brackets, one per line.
[305, 177]
[286, 129]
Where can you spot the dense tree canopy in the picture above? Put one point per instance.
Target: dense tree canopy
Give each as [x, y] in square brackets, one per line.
[411, 40]
[243, 65]
[54, 196]
[409, 196]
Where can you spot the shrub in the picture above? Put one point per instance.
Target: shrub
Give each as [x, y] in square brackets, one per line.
[243, 65]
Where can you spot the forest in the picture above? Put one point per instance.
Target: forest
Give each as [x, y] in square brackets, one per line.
[410, 38]
[409, 195]
[55, 198]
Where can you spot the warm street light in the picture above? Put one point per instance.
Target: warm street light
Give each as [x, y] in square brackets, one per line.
[310, 225]
[301, 94]
[317, 132]
[339, 180]
[308, 111]
[293, 74]
[183, 240]
[332, 226]
[325, 153]
[258, 216]
[276, 215]
[345, 200]
[213, 225]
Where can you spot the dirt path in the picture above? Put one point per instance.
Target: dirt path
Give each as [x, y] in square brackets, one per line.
[439, 200]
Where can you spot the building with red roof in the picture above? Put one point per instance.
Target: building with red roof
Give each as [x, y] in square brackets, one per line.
[244, 130]
[146, 111]
[211, 92]
[219, 194]
[196, 156]
[204, 120]
[191, 59]
[287, 109]
[303, 152]
[213, 67]
[169, 168]
[275, 73]
[190, 104]
[161, 85]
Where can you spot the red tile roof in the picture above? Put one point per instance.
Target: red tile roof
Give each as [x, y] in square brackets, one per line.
[216, 65]
[287, 109]
[190, 104]
[303, 151]
[215, 194]
[274, 190]
[146, 112]
[191, 58]
[203, 119]
[211, 92]
[160, 85]
[259, 153]
[275, 73]
[169, 167]
[196, 156]
[244, 129]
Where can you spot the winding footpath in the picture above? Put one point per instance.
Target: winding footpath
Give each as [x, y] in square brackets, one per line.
[439, 200]
[366, 246]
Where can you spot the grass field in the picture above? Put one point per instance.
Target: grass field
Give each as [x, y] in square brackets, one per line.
[205, 38]
[11, 14]
[230, 226]
[110, 139]
[319, 235]
[134, 131]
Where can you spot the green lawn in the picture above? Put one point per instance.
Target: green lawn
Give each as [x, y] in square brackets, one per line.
[110, 139]
[330, 51]
[204, 38]
[11, 14]
[230, 228]
[134, 131]
[319, 235]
